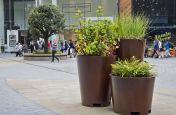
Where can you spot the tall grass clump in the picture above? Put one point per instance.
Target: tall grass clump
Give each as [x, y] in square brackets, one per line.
[132, 27]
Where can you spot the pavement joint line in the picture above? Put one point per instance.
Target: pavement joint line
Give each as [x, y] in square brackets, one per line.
[165, 94]
[34, 102]
[24, 62]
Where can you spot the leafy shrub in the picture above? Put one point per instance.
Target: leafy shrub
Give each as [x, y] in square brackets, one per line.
[96, 38]
[49, 52]
[132, 68]
[132, 27]
[163, 37]
[46, 20]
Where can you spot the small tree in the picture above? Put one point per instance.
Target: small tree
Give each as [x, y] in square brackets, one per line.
[46, 20]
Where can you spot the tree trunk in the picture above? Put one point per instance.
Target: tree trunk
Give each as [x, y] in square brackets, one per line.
[46, 45]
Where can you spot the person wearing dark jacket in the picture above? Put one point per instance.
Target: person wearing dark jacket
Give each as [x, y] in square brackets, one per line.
[71, 48]
[156, 48]
[54, 50]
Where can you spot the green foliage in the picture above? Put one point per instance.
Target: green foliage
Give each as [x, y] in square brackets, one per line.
[163, 37]
[95, 38]
[99, 11]
[132, 68]
[132, 27]
[49, 52]
[46, 20]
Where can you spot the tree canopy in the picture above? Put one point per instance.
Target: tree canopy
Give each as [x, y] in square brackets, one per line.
[46, 20]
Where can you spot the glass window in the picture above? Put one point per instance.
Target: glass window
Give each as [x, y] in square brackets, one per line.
[88, 8]
[159, 11]
[21, 13]
[151, 7]
[46, 1]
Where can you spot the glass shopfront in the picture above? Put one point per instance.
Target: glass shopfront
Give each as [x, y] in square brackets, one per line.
[160, 12]
[88, 8]
[21, 13]
[16, 14]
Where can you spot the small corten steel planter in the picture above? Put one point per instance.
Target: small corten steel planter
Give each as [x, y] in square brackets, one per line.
[132, 95]
[95, 80]
[131, 47]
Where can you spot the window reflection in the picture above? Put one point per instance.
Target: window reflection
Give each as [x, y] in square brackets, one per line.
[21, 13]
[159, 11]
[88, 8]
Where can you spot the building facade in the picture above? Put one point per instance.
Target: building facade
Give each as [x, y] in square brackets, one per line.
[14, 13]
[161, 14]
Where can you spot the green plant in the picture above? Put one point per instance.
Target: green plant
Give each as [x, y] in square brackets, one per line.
[132, 27]
[95, 37]
[46, 20]
[132, 68]
[163, 37]
[49, 52]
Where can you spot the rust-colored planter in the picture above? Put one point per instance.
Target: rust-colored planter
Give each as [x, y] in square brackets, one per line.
[132, 95]
[95, 80]
[131, 47]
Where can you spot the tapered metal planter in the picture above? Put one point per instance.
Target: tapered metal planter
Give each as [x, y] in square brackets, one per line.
[132, 95]
[95, 80]
[131, 47]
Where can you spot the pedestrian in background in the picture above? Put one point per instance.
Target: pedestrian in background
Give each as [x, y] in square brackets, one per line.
[62, 47]
[66, 47]
[146, 50]
[32, 46]
[156, 48]
[71, 49]
[54, 50]
[19, 48]
[16, 49]
[167, 48]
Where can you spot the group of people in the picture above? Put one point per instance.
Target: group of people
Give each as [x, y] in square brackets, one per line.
[36, 44]
[65, 47]
[161, 49]
[68, 48]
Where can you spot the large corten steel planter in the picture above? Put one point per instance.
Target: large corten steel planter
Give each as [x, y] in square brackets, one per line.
[131, 47]
[132, 95]
[95, 80]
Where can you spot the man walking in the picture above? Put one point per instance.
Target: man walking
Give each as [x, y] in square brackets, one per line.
[54, 50]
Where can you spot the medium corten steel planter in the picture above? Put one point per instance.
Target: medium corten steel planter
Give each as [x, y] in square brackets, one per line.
[131, 47]
[132, 95]
[95, 80]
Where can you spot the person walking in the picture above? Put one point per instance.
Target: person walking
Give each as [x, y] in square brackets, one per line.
[71, 49]
[66, 47]
[156, 48]
[32, 46]
[17, 49]
[62, 47]
[161, 50]
[54, 50]
[146, 50]
[167, 48]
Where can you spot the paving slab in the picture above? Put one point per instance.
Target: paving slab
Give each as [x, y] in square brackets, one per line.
[54, 88]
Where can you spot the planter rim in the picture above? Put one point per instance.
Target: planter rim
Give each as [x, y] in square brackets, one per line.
[132, 77]
[131, 39]
[94, 56]
[42, 55]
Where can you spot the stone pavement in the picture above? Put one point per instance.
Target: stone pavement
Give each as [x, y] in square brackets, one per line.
[45, 88]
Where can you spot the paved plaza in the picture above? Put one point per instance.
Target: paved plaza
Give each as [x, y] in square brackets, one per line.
[45, 88]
